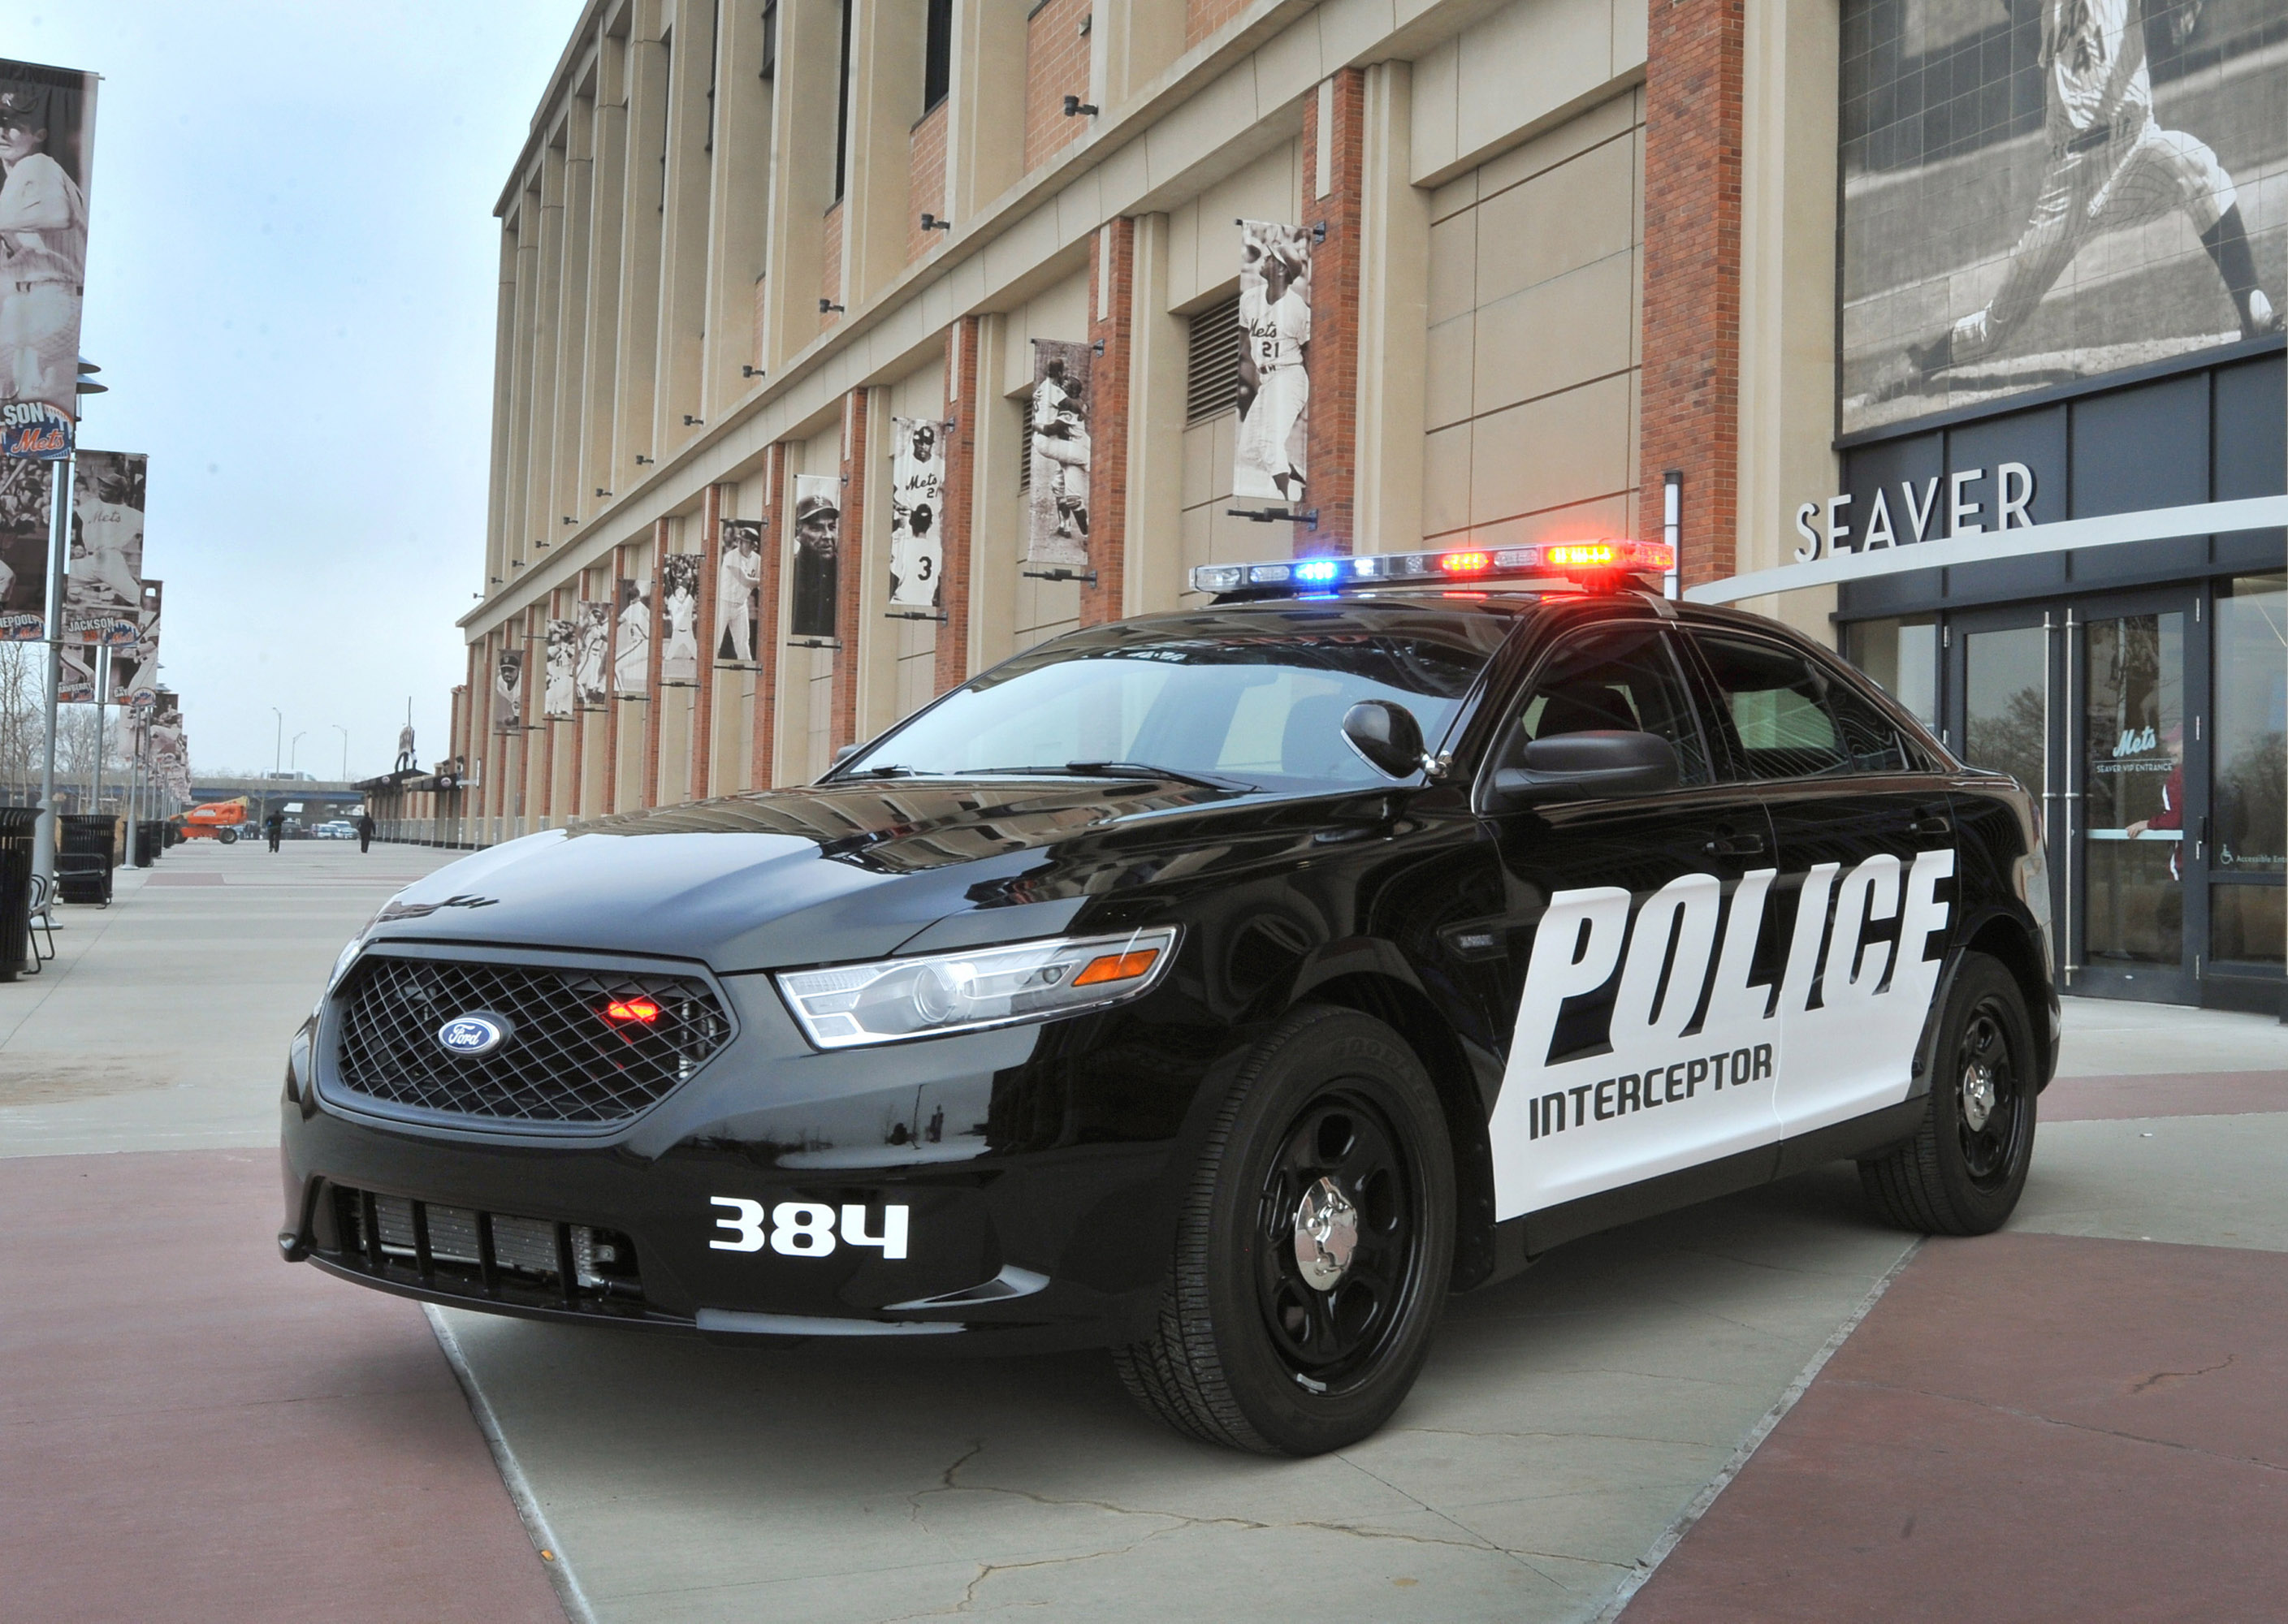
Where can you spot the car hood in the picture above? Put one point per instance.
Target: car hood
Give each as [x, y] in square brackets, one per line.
[842, 871]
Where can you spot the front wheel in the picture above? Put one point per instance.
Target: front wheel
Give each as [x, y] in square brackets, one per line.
[1312, 1250]
[229, 837]
[1963, 1171]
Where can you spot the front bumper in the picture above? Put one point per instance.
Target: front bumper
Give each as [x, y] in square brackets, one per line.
[1036, 1169]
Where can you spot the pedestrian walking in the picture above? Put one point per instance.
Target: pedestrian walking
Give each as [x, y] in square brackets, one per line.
[275, 826]
[365, 832]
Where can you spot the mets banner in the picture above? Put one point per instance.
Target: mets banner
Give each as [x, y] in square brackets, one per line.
[24, 487]
[593, 653]
[917, 505]
[104, 592]
[1056, 456]
[47, 140]
[817, 554]
[679, 619]
[508, 691]
[738, 577]
[556, 696]
[1274, 379]
[135, 666]
[631, 638]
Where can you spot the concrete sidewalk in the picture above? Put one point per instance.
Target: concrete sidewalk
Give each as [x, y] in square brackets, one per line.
[258, 1427]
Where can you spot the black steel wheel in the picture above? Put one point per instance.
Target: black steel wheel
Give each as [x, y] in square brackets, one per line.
[1314, 1247]
[1965, 1169]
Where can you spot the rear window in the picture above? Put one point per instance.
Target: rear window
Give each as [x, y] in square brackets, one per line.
[1792, 718]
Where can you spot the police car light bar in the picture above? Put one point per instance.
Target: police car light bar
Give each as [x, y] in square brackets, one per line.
[1587, 563]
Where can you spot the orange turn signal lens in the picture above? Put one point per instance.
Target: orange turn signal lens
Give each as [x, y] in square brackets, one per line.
[1464, 563]
[1577, 555]
[1116, 967]
[642, 1012]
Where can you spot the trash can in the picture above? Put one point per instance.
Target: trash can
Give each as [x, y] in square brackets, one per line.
[16, 826]
[150, 839]
[84, 858]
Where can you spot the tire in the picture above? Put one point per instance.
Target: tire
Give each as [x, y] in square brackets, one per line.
[229, 837]
[1963, 1170]
[1249, 1351]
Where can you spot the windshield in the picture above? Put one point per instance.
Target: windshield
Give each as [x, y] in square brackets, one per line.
[1235, 698]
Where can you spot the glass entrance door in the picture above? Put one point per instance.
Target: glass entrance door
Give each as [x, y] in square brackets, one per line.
[2138, 868]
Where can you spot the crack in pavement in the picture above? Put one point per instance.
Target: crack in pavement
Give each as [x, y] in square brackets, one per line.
[2159, 1376]
[2071, 1426]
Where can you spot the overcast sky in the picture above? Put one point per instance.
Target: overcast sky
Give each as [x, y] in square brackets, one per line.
[291, 269]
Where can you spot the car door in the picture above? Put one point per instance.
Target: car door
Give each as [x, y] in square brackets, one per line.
[1635, 951]
[1867, 861]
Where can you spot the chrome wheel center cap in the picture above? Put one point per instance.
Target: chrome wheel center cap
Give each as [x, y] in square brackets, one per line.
[1326, 1235]
[1977, 1098]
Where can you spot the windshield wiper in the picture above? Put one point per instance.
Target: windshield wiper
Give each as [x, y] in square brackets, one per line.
[1143, 769]
[889, 772]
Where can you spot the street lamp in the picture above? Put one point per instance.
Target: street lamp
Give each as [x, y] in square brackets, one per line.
[277, 761]
[294, 749]
[345, 732]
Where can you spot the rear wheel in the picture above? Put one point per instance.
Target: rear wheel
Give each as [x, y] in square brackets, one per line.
[229, 837]
[1963, 1171]
[1314, 1248]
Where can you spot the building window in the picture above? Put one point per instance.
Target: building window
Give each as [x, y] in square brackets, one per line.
[1213, 382]
[937, 54]
[770, 40]
[842, 112]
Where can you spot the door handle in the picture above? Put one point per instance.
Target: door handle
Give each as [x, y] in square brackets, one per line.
[1733, 845]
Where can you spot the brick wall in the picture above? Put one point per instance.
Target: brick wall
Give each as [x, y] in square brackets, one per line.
[926, 181]
[702, 707]
[654, 698]
[1202, 18]
[1333, 435]
[1112, 326]
[1691, 380]
[850, 574]
[958, 524]
[1056, 65]
[759, 760]
[612, 701]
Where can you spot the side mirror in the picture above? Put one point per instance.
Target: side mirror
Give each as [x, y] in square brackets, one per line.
[846, 753]
[1386, 737]
[1585, 767]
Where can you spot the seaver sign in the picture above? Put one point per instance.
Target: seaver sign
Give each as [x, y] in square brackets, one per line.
[1919, 512]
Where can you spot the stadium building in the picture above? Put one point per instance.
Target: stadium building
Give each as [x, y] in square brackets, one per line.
[847, 346]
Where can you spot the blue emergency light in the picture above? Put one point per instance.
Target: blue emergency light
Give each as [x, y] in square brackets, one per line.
[1592, 564]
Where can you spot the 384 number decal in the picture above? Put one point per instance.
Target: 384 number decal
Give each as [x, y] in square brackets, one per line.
[804, 1229]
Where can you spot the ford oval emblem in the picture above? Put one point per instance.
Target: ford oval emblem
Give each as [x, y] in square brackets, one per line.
[471, 1036]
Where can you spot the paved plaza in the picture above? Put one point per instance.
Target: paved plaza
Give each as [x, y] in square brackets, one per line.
[1772, 1405]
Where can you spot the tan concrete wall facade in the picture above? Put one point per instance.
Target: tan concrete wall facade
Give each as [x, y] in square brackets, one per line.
[660, 333]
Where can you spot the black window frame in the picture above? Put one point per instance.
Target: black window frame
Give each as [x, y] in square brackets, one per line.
[1915, 751]
[937, 55]
[1509, 711]
[842, 108]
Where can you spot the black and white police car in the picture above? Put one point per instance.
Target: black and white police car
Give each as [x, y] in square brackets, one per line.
[1224, 986]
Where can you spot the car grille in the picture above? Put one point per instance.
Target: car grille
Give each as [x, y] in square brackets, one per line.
[529, 1262]
[565, 1062]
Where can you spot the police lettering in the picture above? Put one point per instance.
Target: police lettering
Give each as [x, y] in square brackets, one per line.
[1645, 1090]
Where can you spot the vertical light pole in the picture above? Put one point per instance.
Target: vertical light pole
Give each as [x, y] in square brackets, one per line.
[44, 835]
[277, 764]
[345, 732]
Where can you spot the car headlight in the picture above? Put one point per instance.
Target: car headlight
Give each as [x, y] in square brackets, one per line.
[941, 993]
[343, 959]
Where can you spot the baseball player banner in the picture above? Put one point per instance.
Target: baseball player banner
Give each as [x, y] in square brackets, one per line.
[591, 654]
[917, 504]
[1275, 377]
[77, 686]
[631, 638]
[24, 487]
[557, 698]
[103, 592]
[47, 141]
[508, 691]
[817, 555]
[2036, 192]
[678, 617]
[738, 581]
[1057, 455]
[135, 666]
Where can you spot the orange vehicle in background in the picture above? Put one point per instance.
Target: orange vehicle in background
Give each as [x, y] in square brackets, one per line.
[220, 820]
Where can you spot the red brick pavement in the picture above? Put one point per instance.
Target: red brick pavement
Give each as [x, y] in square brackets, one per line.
[190, 1429]
[2026, 1427]
[2113, 1099]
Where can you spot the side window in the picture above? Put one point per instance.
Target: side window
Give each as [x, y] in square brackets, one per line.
[1622, 676]
[1788, 718]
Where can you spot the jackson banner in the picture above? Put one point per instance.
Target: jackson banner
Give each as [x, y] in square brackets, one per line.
[135, 666]
[556, 696]
[917, 507]
[47, 141]
[679, 620]
[104, 591]
[508, 691]
[1275, 376]
[592, 659]
[817, 554]
[1057, 455]
[2036, 193]
[631, 638]
[738, 578]
[24, 487]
